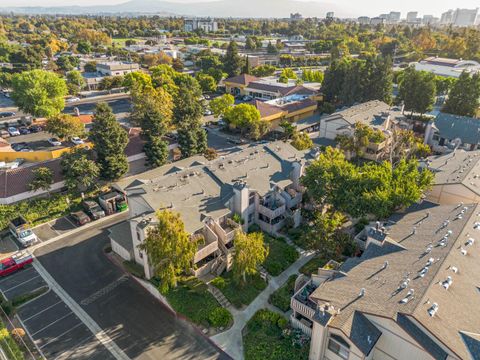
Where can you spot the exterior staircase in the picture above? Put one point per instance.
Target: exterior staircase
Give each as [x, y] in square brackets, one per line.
[217, 294]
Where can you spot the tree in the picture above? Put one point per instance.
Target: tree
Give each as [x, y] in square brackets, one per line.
[110, 141]
[65, 126]
[250, 252]
[42, 179]
[156, 150]
[263, 70]
[90, 66]
[271, 49]
[220, 105]
[137, 80]
[177, 64]
[359, 140]
[84, 47]
[169, 248]
[207, 82]
[111, 82]
[301, 141]
[288, 129]
[232, 62]
[417, 90]
[250, 44]
[246, 118]
[464, 97]
[75, 82]
[319, 235]
[79, 170]
[67, 63]
[39, 93]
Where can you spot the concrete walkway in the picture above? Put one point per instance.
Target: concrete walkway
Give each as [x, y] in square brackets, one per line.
[230, 341]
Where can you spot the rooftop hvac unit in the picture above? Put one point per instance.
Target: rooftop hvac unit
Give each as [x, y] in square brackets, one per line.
[433, 309]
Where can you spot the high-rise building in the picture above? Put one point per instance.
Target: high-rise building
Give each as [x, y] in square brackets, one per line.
[447, 17]
[364, 20]
[412, 16]
[205, 24]
[460, 17]
[429, 19]
[394, 16]
[330, 15]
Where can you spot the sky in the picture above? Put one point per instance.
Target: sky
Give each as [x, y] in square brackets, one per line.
[357, 7]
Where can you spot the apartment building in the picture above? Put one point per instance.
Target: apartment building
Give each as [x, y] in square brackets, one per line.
[447, 67]
[457, 177]
[260, 184]
[460, 17]
[448, 132]
[375, 114]
[116, 68]
[206, 24]
[413, 293]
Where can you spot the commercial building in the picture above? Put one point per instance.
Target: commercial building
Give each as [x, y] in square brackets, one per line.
[364, 20]
[260, 184]
[412, 294]
[116, 68]
[447, 67]
[412, 17]
[205, 24]
[394, 16]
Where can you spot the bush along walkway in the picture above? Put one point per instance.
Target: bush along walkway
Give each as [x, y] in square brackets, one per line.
[217, 294]
[231, 340]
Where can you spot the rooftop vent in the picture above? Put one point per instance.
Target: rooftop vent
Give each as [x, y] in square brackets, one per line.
[454, 269]
[463, 251]
[404, 284]
[423, 272]
[433, 309]
[385, 265]
[362, 292]
[407, 297]
[430, 261]
[470, 241]
[446, 284]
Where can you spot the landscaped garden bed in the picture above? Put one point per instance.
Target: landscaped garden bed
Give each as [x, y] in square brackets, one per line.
[267, 336]
[281, 297]
[239, 294]
[280, 255]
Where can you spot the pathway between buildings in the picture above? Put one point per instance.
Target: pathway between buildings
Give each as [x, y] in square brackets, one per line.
[230, 341]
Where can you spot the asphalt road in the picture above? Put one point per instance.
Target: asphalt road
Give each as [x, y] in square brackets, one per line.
[140, 325]
[117, 105]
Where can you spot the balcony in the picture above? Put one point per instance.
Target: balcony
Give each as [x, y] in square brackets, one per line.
[207, 245]
[292, 197]
[303, 324]
[301, 302]
[228, 227]
[272, 208]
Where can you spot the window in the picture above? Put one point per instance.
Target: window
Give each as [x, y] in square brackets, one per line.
[251, 199]
[339, 346]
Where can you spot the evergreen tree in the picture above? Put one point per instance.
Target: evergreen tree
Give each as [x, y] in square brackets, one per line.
[232, 63]
[79, 170]
[110, 141]
[156, 150]
[464, 97]
[417, 90]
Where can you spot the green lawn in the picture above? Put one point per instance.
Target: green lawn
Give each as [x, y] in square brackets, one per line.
[312, 266]
[239, 294]
[192, 299]
[121, 41]
[265, 339]
[281, 297]
[280, 255]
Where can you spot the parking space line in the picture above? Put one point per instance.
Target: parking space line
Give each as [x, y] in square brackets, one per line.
[38, 313]
[52, 323]
[65, 332]
[18, 273]
[66, 218]
[23, 283]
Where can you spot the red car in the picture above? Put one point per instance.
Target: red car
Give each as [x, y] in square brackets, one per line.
[80, 218]
[14, 263]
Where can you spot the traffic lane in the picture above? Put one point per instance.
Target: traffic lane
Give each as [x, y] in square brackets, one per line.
[117, 105]
[141, 326]
[57, 331]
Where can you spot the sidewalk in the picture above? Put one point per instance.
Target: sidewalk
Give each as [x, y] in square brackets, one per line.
[231, 341]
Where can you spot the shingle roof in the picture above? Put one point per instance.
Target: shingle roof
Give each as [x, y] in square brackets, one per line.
[458, 167]
[472, 341]
[463, 127]
[265, 109]
[361, 332]
[243, 79]
[406, 253]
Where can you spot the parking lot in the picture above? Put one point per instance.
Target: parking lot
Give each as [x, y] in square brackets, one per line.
[55, 329]
[54, 228]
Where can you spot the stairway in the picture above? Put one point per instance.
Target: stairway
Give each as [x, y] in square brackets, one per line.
[217, 294]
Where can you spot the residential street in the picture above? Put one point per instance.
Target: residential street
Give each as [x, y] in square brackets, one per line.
[140, 325]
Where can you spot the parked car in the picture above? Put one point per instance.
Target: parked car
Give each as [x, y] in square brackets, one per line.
[207, 112]
[54, 142]
[80, 218]
[35, 128]
[24, 130]
[19, 146]
[247, 98]
[5, 114]
[73, 99]
[26, 149]
[76, 140]
[13, 131]
[21, 231]
[14, 263]
[93, 209]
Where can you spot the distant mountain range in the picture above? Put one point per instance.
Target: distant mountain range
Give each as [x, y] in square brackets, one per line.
[222, 8]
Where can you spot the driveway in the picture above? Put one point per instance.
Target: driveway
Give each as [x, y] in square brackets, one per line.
[140, 325]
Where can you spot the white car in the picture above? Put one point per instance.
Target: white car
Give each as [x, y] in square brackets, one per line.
[54, 142]
[76, 140]
[73, 99]
[13, 131]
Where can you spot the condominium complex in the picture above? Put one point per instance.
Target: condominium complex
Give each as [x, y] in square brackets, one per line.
[413, 294]
[259, 183]
[205, 24]
[460, 17]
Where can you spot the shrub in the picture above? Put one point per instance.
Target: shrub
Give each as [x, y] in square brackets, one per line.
[254, 228]
[360, 225]
[281, 297]
[22, 299]
[9, 345]
[282, 323]
[220, 317]
[280, 256]
[7, 306]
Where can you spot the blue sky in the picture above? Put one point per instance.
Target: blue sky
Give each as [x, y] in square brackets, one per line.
[359, 7]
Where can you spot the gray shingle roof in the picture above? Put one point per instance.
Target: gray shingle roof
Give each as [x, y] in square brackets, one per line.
[406, 253]
[473, 344]
[453, 126]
